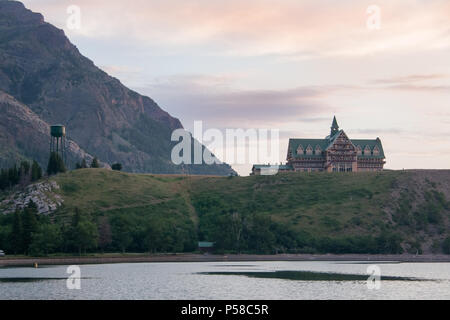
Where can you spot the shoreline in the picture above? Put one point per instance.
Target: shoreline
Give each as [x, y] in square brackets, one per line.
[25, 262]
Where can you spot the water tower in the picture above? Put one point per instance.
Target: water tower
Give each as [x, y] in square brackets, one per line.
[58, 140]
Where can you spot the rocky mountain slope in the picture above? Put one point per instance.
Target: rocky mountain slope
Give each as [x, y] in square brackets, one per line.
[24, 134]
[43, 71]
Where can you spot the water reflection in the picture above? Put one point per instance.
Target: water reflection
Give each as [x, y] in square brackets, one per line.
[222, 280]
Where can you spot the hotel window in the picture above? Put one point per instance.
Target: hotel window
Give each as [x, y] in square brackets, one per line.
[300, 149]
[309, 150]
[367, 151]
[359, 150]
[376, 151]
[318, 150]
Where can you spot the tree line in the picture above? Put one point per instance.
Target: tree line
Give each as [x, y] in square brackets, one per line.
[249, 231]
[23, 174]
[96, 164]
[28, 233]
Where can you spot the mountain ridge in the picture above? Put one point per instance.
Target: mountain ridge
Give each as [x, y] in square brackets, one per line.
[25, 119]
[43, 70]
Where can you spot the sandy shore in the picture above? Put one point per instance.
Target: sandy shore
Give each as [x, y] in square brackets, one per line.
[5, 261]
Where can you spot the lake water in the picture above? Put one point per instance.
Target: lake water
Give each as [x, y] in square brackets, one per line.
[189, 281]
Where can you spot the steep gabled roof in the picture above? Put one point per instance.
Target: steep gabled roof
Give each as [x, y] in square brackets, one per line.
[294, 143]
[325, 143]
[371, 143]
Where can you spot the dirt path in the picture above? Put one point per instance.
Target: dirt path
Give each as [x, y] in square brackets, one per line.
[10, 262]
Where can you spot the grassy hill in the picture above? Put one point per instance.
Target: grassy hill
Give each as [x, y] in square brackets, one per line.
[385, 212]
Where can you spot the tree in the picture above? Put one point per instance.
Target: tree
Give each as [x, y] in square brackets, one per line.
[261, 238]
[45, 240]
[13, 176]
[84, 234]
[82, 165]
[5, 233]
[121, 227]
[154, 236]
[36, 171]
[16, 236]
[87, 235]
[30, 225]
[24, 168]
[24, 173]
[95, 163]
[116, 166]
[104, 233]
[4, 179]
[237, 228]
[55, 164]
[446, 246]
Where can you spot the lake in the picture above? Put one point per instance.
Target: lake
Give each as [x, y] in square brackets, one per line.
[229, 281]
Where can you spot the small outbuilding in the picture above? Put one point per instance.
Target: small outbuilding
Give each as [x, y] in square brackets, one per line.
[205, 247]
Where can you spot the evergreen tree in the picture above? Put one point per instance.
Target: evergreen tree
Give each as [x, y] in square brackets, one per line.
[5, 232]
[16, 237]
[4, 180]
[104, 232]
[95, 163]
[36, 171]
[446, 246]
[46, 239]
[24, 168]
[24, 173]
[83, 164]
[116, 166]
[13, 176]
[84, 234]
[122, 228]
[55, 164]
[30, 225]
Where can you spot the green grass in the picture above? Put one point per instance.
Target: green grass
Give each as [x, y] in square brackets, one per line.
[315, 202]
[102, 190]
[320, 205]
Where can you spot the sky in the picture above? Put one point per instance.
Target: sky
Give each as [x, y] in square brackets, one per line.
[288, 65]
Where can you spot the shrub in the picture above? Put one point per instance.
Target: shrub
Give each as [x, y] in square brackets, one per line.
[55, 164]
[116, 167]
[446, 246]
[95, 163]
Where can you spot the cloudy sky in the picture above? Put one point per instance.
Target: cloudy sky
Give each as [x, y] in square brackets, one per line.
[282, 64]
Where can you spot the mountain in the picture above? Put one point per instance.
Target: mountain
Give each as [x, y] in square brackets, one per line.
[44, 72]
[25, 135]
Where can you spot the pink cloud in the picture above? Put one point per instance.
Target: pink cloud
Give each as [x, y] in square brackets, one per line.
[255, 27]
